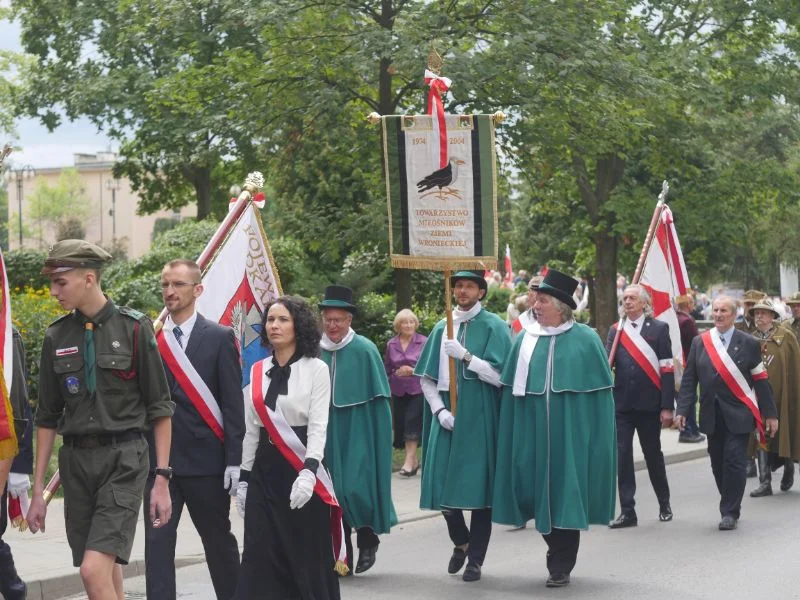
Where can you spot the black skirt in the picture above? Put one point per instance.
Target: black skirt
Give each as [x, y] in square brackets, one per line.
[288, 554]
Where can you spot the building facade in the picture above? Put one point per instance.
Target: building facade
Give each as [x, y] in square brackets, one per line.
[111, 220]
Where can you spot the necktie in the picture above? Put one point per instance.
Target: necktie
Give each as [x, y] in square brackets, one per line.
[723, 341]
[89, 357]
[634, 325]
[178, 335]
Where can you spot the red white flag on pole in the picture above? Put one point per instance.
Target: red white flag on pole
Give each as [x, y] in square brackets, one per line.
[509, 278]
[8, 436]
[665, 277]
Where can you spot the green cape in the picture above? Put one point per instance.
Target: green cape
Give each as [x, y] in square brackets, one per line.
[458, 466]
[359, 446]
[557, 457]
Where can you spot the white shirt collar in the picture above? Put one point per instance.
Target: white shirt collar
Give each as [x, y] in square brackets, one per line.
[186, 327]
[638, 322]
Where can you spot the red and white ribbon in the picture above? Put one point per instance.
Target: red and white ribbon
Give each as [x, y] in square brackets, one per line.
[294, 451]
[191, 383]
[734, 378]
[641, 352]
[438, 86]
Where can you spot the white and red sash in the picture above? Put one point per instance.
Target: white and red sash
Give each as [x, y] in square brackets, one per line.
[643, 354]
[734, 379]
[294, 451]
[191, 383]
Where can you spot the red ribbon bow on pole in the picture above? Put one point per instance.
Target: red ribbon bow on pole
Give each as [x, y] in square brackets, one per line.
[438, 86]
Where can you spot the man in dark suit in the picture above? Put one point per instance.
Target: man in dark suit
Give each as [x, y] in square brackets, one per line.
[727, 413]
[206, 449]
[644, 387]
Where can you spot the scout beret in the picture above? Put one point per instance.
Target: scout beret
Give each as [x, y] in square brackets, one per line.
[74, 254]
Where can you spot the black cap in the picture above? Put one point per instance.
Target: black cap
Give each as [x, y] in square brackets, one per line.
[338, 296]
[560, 286]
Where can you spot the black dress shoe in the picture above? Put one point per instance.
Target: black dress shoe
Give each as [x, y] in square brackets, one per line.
[557, 580]
[624, 520]
[472, 572]
[457, 560]
[727, 524]
[665, 512]
[366, 558]
[691, 438]
[787, 481]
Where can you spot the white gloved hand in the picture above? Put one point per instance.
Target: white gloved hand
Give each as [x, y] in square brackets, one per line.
[241, 497]
[231, 480]
[446, 419]
[302, 489]
[455, 349]
[18, 484]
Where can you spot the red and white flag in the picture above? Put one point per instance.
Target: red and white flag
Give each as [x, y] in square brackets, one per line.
[665, 277]
[509, 278]
[8, 436]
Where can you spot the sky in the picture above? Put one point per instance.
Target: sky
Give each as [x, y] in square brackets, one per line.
[40, 148]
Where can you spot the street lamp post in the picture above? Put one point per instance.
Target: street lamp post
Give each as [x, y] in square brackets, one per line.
[113, 185]
[19, 175]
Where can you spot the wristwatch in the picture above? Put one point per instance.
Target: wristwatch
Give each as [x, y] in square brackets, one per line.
[166, 472]
[467, 357]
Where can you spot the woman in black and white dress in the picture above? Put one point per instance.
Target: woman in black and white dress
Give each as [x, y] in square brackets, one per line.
[288, 551]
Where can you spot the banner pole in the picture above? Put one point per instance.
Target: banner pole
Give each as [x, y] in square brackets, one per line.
[637, 275]
[452, 361]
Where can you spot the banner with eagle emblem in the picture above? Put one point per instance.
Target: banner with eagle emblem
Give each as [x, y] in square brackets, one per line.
[441, 216]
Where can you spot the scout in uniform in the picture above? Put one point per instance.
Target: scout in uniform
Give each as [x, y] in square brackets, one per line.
[794, 305]
[101, 385]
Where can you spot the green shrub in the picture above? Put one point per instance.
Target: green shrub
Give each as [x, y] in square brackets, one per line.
[497, 300]
[32, 311]
[24, 269]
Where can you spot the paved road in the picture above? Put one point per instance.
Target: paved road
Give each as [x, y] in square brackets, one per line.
[688, 558]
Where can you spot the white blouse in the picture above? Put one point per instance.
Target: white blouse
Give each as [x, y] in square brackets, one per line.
[305, 404]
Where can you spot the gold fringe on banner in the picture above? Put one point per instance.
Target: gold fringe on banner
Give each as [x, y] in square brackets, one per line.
[432, 263]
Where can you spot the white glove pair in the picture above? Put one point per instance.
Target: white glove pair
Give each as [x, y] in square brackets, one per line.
[446, 419]
[241, 497]
[18, 484]
[455, 349]
[302, 489]
[230, 480]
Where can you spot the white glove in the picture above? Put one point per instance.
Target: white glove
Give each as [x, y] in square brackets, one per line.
[302, 489]
[241, 497]
[18, 484]
[446, 419]
[231, 480]
[455, 349]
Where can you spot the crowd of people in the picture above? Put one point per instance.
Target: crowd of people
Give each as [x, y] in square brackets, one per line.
[516, 421]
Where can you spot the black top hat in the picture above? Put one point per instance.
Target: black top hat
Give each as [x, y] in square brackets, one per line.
[476, 276]
[338, 296]
[560, 286]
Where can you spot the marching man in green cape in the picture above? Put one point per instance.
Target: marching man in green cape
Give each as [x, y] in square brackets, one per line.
[557, 455]
[459, 450]
[359, 446]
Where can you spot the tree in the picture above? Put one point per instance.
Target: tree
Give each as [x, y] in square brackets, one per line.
[52, 210]
[111, 61]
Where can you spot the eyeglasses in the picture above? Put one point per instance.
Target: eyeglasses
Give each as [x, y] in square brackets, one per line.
[177, 285]
[337, 321]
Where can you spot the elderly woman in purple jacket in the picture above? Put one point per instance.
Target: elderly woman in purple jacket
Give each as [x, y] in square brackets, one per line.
[402, 354]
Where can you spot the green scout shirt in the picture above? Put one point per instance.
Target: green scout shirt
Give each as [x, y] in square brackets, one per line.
[132, 388]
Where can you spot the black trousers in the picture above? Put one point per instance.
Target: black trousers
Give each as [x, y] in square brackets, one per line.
[478, 534]
[11, 586]
[648, 426]
[562, 549]
[209, 506]
[406, 419]
[728, 453]
[365, 538]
